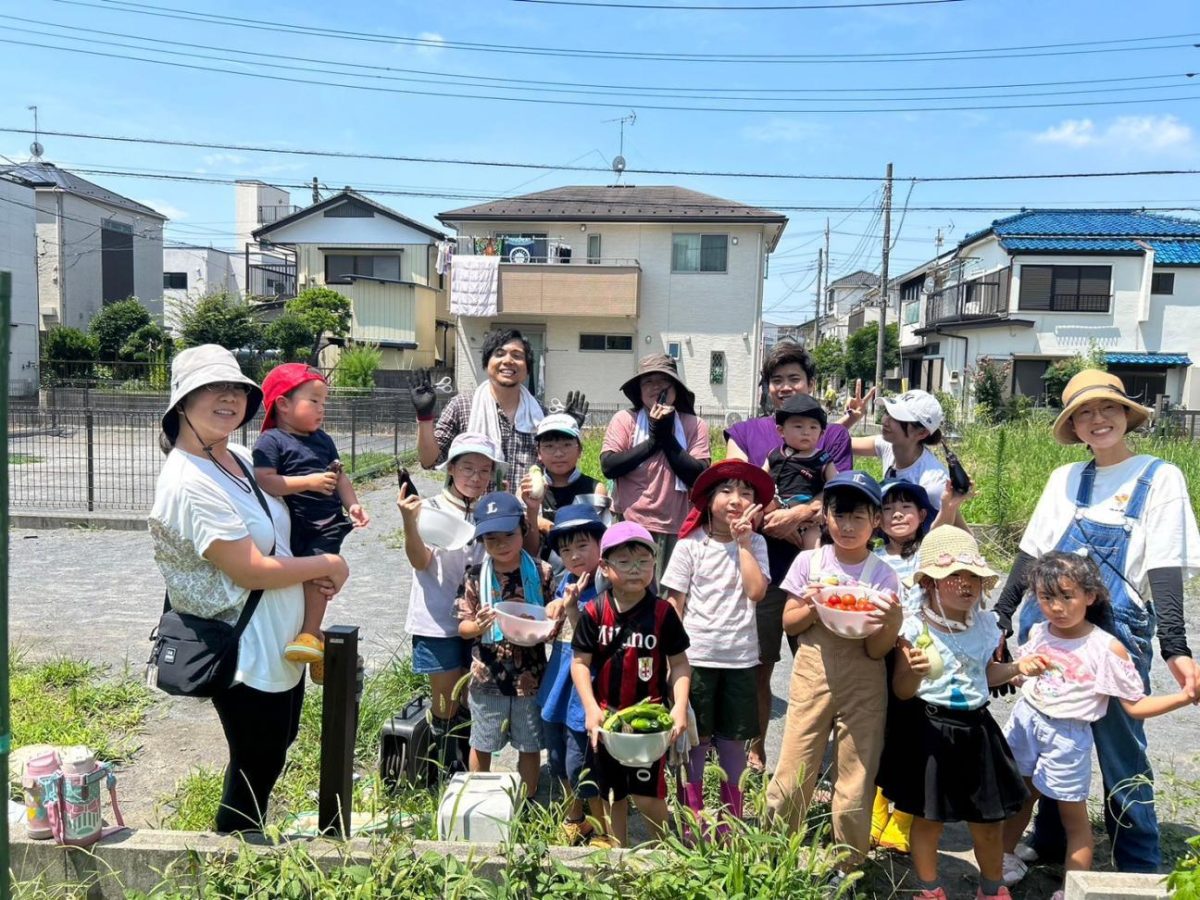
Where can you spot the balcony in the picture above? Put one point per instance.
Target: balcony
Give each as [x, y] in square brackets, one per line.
[965, 301]
[268, 215]
[600, 287]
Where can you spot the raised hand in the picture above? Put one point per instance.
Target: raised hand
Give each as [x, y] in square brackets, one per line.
[571, 594]
[857, 405]
[359, 516]
[662, 422]
[742, 528]
[577, 406]
[409, 506]
[424, 397]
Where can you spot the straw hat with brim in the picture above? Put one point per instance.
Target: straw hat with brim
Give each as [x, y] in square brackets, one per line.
[195, 367]
[1089, 385]
[660, 363]
[947, 550]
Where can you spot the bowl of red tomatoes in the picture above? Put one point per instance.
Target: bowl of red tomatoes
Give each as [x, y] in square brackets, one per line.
[846, 610]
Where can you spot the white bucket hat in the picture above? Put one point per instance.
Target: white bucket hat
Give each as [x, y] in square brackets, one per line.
[207, 364]
[473, 442]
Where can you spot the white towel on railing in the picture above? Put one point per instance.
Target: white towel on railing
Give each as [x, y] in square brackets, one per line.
[474, 285]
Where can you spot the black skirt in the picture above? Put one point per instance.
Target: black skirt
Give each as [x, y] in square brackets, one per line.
[949, 765]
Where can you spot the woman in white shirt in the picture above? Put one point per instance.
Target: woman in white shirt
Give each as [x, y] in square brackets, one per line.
[1131, 514]
[215, 543]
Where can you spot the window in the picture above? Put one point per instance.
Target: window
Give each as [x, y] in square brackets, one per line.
[911, 289]
[116, 261]
[339, 267]
[621, 343]
[1065, 288]
[912, 312]
[175, 281]
[699, 252]
[1162, 283]
[593, 250]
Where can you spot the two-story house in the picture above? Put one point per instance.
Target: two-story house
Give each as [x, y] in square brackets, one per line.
[93, 246]
[383, 261]
[848, 304]
[1046, 284]
[597, 277]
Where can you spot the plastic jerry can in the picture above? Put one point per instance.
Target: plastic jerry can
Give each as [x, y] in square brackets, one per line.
[478, 806]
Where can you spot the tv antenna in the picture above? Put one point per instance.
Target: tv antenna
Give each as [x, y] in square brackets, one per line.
[618, 163]
[35, 149]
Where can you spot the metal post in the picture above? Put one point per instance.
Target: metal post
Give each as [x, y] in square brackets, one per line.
[353, 431]
[90, 426]
[396, 426]
[339, 723]
[5, 726]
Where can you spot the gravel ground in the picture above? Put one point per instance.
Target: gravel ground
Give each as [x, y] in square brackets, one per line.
[106, 586]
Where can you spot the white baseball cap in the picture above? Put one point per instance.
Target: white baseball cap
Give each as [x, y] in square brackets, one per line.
[920, 407]
[559, 423]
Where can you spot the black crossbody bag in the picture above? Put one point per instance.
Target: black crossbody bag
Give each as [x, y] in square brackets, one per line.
[192, 656]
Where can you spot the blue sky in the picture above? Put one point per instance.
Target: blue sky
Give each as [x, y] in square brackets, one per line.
[116, 95]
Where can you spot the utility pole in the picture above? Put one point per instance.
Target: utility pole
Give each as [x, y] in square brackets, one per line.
[817, 308]
[883, 283]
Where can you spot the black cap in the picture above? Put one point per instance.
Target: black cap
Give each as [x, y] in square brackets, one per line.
[801, 405]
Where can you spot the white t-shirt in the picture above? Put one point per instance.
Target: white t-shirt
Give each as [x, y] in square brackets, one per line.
[435, 589]
[1086, 673]
[928, 471]
[813, 565]
[1167, 515]
[195, 503]
[719, 617]
[965, 657]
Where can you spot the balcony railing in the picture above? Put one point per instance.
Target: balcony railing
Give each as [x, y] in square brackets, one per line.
[269, 214]
[610, 287]
[966, 300]
[271, 280]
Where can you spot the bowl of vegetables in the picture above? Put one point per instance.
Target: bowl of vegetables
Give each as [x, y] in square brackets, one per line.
[523, 624]
[846, 609]
[638, 735]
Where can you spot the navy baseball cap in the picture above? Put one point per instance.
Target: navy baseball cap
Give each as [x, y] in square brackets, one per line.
[498, 511]
[576, 517]
[801, 405]
[858, 482]
[918, 492]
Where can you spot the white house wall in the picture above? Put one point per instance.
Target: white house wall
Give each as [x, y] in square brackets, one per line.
[18, 256]
[717, 311]
[348, 231]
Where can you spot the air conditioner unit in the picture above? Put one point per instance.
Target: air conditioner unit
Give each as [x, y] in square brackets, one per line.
[953, 375]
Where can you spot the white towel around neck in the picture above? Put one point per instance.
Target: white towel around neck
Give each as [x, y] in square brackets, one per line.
[641, 432]
[485, 413]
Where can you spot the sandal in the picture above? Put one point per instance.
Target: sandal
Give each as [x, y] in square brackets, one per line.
[304, 648]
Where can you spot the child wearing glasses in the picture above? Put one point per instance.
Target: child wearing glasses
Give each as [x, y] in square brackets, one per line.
[297, 461]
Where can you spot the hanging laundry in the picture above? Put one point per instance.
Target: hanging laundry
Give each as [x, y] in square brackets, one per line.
[474, 285]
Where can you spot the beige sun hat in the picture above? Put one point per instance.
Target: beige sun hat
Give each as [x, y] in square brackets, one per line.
[195, 367]
[946, 550]
[1092, 384]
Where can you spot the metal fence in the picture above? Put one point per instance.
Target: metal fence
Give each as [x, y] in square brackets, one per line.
[103, 455]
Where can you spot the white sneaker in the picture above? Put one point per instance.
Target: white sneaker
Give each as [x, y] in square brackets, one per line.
[1013, 869]
[1026, 853]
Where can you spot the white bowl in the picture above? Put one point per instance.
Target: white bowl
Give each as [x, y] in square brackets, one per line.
[523, 624]
[636, 750]
[843, 622]
[444, 530]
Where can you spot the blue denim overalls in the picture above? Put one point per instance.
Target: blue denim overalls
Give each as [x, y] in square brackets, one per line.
[1120, 741]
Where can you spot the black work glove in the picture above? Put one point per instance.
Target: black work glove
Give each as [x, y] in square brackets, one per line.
[663, 428]
[1008, 687]
[577, 407]
[424, 397]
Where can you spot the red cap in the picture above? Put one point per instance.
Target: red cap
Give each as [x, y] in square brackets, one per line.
[718, 473]
[281, 380]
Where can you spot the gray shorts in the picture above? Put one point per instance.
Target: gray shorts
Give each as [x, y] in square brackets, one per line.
[497, 720]
[1055, 754]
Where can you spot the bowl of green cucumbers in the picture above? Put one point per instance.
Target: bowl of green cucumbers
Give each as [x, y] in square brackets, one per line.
[638, 735]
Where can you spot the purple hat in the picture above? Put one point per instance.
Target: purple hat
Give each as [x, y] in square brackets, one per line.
[627, 533]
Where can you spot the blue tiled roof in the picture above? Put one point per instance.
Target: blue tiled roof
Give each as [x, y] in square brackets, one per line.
[1166, 252]
[1176, 253]
[1147, 359]
[1090, 223]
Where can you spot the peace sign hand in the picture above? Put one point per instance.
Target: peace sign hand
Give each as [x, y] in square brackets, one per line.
[742, 528]
[856, 406]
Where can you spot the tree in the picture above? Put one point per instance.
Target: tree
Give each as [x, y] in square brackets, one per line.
[148, 344]
[291, 336]
[860, 351]
[219, 319]
[69, 353]
[323, 311]
[356, 366]
[1058, 374]
[830, 358]
[114, 325]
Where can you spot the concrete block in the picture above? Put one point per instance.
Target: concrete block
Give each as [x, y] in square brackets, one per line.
[46, 520]
[1114, 886]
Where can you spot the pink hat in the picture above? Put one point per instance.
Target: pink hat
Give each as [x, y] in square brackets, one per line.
[627, 533]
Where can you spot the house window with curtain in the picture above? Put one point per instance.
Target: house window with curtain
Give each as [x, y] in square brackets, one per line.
[699, 252]
[1066, 288]
[620, 343]
[593, 249]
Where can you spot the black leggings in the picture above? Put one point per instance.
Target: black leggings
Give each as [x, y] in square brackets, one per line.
[259, 727]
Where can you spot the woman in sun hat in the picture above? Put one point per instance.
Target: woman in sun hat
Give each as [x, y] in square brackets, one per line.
[655, 451]
[217, 538]
[1131, 514]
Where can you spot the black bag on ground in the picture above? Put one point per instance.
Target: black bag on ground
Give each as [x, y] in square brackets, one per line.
[417, 749]
[192, 656]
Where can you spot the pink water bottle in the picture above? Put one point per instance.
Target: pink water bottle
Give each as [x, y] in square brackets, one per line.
[37, 821]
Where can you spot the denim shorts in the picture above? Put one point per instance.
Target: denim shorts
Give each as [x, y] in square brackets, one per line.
[1055, 754]
[497, 720]
[433, 655]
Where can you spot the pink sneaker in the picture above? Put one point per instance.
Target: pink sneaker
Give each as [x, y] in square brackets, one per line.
[936, 894]
[1001, 894]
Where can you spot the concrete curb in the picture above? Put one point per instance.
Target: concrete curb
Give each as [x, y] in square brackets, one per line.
[141, 859]
[1114, 886]
[46, 520]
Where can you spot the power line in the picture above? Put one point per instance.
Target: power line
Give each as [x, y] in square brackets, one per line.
[788, 6]
[1059, 49]
[387, 157]
[627, 91]
[541, 101]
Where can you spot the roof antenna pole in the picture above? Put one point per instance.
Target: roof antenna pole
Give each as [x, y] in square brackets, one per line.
[35, 149]
[618, 164]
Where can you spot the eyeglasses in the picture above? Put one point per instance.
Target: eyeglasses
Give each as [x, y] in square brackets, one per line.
[632, 565]
[470, 472]
[1088, 413]
[227, 387]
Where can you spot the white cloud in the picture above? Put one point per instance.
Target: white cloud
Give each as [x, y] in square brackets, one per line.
[174, 213]
[1130, 133]
[781, 131]
[434, 43]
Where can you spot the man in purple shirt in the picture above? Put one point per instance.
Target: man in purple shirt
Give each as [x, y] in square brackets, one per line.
[787, 370]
